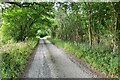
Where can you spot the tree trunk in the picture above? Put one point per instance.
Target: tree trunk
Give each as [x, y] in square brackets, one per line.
[90, 30]
[116, 24]
[89, 11]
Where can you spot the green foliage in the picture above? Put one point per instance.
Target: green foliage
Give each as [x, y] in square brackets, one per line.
[76, 23]
[14, 57]
[19, 33]
[99, 57]
[95, 23]
[90, 31]
[20, 23]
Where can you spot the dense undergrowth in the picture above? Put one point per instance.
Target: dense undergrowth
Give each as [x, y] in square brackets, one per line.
[14, 57]
[100, 58]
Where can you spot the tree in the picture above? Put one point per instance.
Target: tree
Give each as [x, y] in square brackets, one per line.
[20, 19]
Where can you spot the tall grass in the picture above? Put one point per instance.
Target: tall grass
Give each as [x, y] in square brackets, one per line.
[99, 57]
[14, 57]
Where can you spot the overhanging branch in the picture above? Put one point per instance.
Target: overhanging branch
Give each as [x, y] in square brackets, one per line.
[30, 5]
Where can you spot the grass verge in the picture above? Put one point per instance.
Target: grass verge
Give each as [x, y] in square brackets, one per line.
[100, 58]
[14, 57]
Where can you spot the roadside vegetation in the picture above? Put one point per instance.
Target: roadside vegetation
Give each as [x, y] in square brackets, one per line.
[15, 56]
[91, 31]
[96, 57]
[22, 26]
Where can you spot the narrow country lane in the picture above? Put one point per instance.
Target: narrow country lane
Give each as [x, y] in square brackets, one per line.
[84, 39]
[52, 62]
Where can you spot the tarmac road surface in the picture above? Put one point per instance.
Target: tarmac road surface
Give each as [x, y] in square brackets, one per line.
[51, 62]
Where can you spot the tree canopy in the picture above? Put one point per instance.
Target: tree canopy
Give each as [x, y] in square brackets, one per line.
[21, 21]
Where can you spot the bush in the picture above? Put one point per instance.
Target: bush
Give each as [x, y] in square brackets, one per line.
[14, 57]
